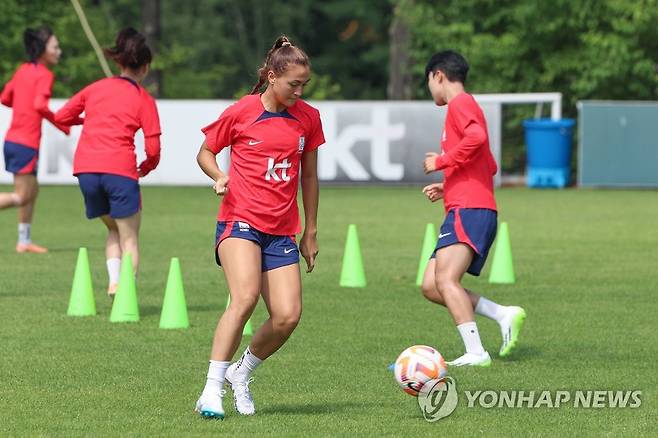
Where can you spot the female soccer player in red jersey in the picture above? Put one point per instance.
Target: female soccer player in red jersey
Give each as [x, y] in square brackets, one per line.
[105, 161]
[469, 228]
[274, 138]
[27, 93]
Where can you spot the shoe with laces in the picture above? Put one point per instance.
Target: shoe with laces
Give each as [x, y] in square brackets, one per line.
[242, 399]
[210, 405]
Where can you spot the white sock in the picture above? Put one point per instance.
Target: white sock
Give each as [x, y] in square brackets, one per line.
[215, 378]
[471, 337]
[490, 309]
[113, 269]
[24, 233]
[246, 365]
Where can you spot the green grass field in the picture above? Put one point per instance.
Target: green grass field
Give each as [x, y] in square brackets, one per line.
[587, 273]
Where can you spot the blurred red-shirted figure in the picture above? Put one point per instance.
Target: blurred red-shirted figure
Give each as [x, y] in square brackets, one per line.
[27, 93]
[105, 161]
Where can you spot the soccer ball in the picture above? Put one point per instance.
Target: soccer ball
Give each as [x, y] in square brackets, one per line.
[417, 365]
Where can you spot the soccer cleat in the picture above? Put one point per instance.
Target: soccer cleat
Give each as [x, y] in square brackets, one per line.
[112, 290]
[470, 359]
[510, 328]
[30, 247]
[210, 405]
[242, 399]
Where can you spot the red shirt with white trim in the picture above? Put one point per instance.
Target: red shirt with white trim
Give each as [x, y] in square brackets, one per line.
[115, 108]
[28, 93]
[266, 151]
[466, 159]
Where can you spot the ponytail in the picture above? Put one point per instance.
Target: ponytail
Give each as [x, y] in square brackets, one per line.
[130, 49]
[277, 59]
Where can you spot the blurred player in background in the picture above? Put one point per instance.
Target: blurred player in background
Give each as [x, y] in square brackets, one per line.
[28, 93]
[274, 138]
[105, 161]
[469, 228]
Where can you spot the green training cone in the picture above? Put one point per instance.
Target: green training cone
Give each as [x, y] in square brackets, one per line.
[247, 330]
[502, 270]
[82, 301]
[352, 274]
[429, 243]
[124, 308]
[174, 309]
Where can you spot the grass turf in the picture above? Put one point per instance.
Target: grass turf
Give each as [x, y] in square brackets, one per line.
[586, 266]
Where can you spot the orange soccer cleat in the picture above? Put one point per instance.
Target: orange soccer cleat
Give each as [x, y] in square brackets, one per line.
[30, 247]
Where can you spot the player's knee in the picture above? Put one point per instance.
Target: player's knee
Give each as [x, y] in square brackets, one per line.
[243, 307]
[431, 293]
[287, 321]
[428, 290]
[445, 285]
[18, 200]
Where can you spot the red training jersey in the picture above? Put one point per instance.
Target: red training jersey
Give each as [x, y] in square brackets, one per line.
[266, 150]
[115, 108]
[466, 159]
[28, 93]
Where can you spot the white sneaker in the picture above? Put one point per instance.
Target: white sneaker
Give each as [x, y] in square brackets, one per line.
[242, 399]
[471, 359]
[210, 405]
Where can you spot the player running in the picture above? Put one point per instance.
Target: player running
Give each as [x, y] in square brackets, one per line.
[271, 135]
[105, 161]
[28, 93]
[470, 226]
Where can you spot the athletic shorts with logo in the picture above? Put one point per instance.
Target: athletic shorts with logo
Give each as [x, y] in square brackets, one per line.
[476, 227]
[276, 251]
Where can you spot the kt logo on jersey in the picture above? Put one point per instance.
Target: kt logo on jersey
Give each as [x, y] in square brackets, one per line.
[273, 167]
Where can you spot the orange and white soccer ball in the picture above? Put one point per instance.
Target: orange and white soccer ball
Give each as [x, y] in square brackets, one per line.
[417, 365]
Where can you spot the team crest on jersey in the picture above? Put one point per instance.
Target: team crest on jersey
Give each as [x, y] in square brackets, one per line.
[302, 142]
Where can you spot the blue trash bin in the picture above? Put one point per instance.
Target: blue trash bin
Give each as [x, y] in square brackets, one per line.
[548, 144]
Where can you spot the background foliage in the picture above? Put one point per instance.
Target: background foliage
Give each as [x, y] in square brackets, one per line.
[585, 49]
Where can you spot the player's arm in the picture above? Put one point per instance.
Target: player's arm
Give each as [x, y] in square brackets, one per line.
[69, 114]
[308, 245]
[152, 148]
[41, 99]
[475, 136]
[150, 124]
[208, 163]
[7, 95]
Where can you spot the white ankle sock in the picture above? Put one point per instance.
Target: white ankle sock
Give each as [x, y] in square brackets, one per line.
[113, 269]
[215, 378]
[471, 337]
[24, 233]
[490, 309]
[246, 365]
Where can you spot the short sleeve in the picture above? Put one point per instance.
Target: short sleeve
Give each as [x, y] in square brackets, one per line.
[220, 133]
[315, 135]
[149, 118]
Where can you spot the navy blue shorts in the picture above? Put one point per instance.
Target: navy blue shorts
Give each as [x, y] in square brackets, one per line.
[104, 193]
[475, 227]
[276, 251]
[19, 159]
